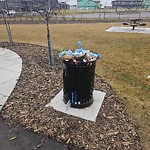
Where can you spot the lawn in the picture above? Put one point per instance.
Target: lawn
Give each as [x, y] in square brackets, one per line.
[124, 64]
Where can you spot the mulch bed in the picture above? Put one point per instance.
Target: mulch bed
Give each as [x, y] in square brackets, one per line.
[39, 83]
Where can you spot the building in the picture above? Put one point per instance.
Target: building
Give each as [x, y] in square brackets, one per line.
[2, 4]
[146, 3]
[63, 5]
[97, 4]
[28, 5]
[127, 3]
[25, 5]
[88, 4]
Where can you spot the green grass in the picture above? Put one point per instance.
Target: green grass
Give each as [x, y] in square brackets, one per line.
[124, 63]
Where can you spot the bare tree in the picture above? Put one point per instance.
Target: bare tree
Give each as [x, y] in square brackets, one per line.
[50, 11]
[4, 12]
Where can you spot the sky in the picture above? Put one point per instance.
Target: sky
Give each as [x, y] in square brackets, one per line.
[104, 2]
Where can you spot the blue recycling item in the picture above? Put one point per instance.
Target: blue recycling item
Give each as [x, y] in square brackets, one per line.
[79, 51]
[98, 56]
[74, 97]
[80, 45]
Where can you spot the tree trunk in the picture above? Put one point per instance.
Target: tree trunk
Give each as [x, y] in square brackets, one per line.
[8, 30]
[50, 51]
[7, 24]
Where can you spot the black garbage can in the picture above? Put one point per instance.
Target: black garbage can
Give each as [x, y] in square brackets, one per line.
[78, 83]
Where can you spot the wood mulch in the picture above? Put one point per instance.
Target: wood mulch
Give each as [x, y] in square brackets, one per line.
[39, 83]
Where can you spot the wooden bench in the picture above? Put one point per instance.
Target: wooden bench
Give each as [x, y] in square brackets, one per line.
[125, 23]
[142, 24]
[134, 25]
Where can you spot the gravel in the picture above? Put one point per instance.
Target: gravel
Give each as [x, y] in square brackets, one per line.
[39, 83]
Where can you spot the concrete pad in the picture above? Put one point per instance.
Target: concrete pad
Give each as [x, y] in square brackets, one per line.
[6, 75]
[15, 67]
[3, 99]
[129, 30]
[88, 113]
[6, 88]
[8, 54]
[7, 63]
[3, 51]
[10, 69]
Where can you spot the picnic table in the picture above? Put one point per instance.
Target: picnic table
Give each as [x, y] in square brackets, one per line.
[133, 25]
[134, 22]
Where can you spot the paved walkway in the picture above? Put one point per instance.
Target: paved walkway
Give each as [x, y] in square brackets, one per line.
[15, 137]
[10, 69]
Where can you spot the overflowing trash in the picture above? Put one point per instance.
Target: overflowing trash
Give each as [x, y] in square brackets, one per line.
[79, 55]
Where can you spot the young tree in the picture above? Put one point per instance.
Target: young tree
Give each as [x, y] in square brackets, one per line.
[4, 12]
[51, 6]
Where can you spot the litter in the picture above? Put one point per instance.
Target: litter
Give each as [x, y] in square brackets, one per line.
[79, 55]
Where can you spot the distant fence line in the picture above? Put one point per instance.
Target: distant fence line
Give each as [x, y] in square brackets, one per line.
[81, 17]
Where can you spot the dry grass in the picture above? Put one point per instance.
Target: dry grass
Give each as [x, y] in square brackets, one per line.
[125, 61]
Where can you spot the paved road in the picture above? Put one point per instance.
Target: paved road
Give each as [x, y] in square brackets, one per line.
[112, 15]
[17, 138]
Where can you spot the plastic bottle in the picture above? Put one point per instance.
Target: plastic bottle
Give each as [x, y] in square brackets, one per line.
[80, 45]
[62, 53]
[69, 52]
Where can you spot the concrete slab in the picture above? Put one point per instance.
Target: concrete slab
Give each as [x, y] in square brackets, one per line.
[6, 75]
[8, 58]
[129, 30]
[7, 87]
[15, 68]
[8, 53]
[6, 63]
[3, 51]
[3, 99]
[10, 69]
[88, 113]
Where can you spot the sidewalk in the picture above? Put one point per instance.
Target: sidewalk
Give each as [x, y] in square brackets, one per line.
[10, 69]
[15, 137]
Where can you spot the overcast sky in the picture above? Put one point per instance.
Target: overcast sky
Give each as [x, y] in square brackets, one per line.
[104, 2]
